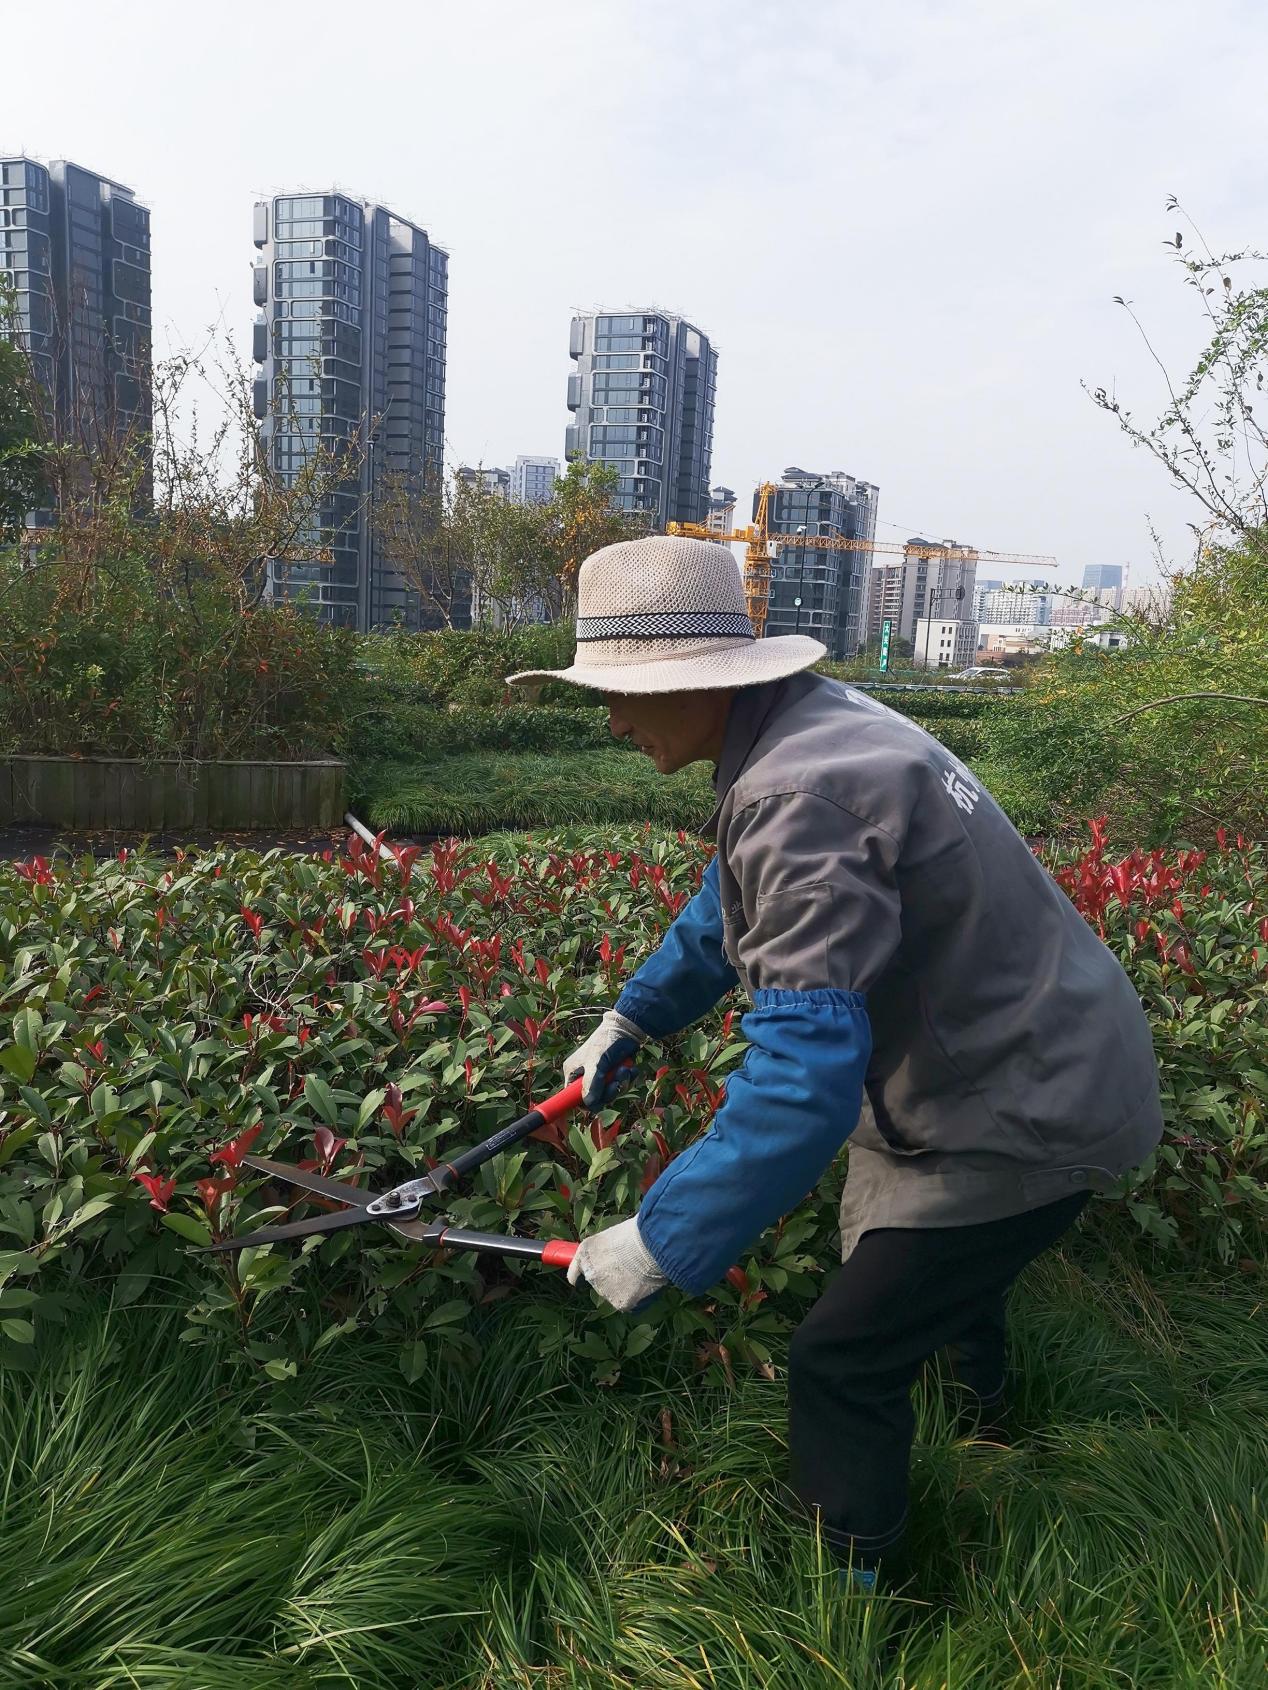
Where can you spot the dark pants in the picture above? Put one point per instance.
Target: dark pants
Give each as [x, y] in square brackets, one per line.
[902, 1295]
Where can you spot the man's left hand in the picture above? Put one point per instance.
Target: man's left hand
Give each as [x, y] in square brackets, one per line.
[619, 1266]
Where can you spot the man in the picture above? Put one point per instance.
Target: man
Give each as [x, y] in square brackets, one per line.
[897, 938]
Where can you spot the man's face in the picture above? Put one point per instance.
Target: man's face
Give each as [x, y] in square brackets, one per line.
[673, 728]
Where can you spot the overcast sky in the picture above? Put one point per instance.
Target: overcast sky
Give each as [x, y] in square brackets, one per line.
[902, 225]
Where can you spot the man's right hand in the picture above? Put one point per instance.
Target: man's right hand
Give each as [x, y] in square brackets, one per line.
[611, 1045]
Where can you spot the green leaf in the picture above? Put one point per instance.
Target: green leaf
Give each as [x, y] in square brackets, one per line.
[94, 1207]
[332, 1332]
[13, 1141]
[321, 1100]
[188, 1227]
[457, 1308]
[19, 1219]
[142, 1146]
[638, 1340]
[21, 1331]
[36, 1103]
[104, 1101]
[281, 1369]
[369, 1106]
[413, 1360]
[27, 1025]
[20, 1061]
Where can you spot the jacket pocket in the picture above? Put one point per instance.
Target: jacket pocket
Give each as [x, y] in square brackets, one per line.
[787, 946]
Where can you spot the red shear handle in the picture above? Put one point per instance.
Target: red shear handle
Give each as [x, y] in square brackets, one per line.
[564, 1102]
[558, 1252]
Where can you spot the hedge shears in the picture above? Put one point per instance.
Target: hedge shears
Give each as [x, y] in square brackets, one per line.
[401, 1208]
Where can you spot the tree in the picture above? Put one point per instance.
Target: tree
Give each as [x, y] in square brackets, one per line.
[462, 539]
[206, 517]
[1169, 734]
[1209, 438]
[413, 516]
[583, 516]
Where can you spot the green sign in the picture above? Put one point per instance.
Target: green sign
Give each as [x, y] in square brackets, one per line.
[885, 627]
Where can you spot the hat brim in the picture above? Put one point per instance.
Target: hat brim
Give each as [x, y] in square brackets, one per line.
[737, 666]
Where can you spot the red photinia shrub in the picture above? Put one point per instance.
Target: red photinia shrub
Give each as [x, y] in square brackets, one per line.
[189, 1041]
[1189, 927]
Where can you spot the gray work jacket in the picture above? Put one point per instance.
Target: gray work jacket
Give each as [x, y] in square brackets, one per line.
[1011, 1062]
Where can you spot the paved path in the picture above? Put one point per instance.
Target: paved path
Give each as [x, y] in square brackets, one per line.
[19, 844]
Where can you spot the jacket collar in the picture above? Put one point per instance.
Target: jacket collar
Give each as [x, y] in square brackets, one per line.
[752, 711]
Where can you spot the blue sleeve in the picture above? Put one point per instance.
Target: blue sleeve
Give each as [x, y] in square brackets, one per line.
[688, 973]
[789, 1108]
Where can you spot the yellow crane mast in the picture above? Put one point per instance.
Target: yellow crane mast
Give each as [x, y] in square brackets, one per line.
[761, 545]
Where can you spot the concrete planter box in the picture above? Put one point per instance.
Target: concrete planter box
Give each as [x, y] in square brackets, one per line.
[84, 794]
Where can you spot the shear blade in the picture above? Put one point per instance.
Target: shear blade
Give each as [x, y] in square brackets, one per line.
[295, 1229]
[340, 1190]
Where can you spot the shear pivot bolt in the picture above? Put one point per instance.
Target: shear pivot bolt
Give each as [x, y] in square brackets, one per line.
[393, 1199]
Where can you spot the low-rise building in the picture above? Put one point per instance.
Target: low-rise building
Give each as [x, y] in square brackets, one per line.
[533, 480]
[492, 480]
[943, 644]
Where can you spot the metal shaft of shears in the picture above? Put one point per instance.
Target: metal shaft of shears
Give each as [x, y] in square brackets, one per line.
[402, 1202]
[397, 1203]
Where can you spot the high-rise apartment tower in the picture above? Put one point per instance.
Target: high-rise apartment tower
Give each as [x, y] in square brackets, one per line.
[75, 248]
[351, 341]
[821, 591]
[642, 398]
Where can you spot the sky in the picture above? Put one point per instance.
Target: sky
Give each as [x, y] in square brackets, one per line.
[903, 225]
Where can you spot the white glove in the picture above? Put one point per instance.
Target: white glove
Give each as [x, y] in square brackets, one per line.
[613, 1041]
[618, 1265]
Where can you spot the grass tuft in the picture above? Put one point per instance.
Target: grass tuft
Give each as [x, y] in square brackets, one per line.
[504, 1525]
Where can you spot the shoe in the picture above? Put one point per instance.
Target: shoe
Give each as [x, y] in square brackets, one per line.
[860, 1581]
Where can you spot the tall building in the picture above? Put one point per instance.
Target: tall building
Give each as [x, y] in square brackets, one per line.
[1104, 577]
[351, 337]
[1020, 607]
[885, 602]
[533, 480]
[920, 588]
[721, 517]
[821, 591]
[642, 398]
[75, 246]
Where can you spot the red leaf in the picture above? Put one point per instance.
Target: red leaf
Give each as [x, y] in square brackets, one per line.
[327, 1146]
[230, 1155]
[160, 1190]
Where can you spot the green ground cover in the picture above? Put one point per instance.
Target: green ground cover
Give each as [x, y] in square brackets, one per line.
[480, 791]
[503, 1524]
[421, 762]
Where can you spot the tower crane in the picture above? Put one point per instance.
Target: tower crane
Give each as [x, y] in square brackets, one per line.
[761, 545]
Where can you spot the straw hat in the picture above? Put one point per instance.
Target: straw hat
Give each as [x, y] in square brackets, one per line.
[668, 615]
